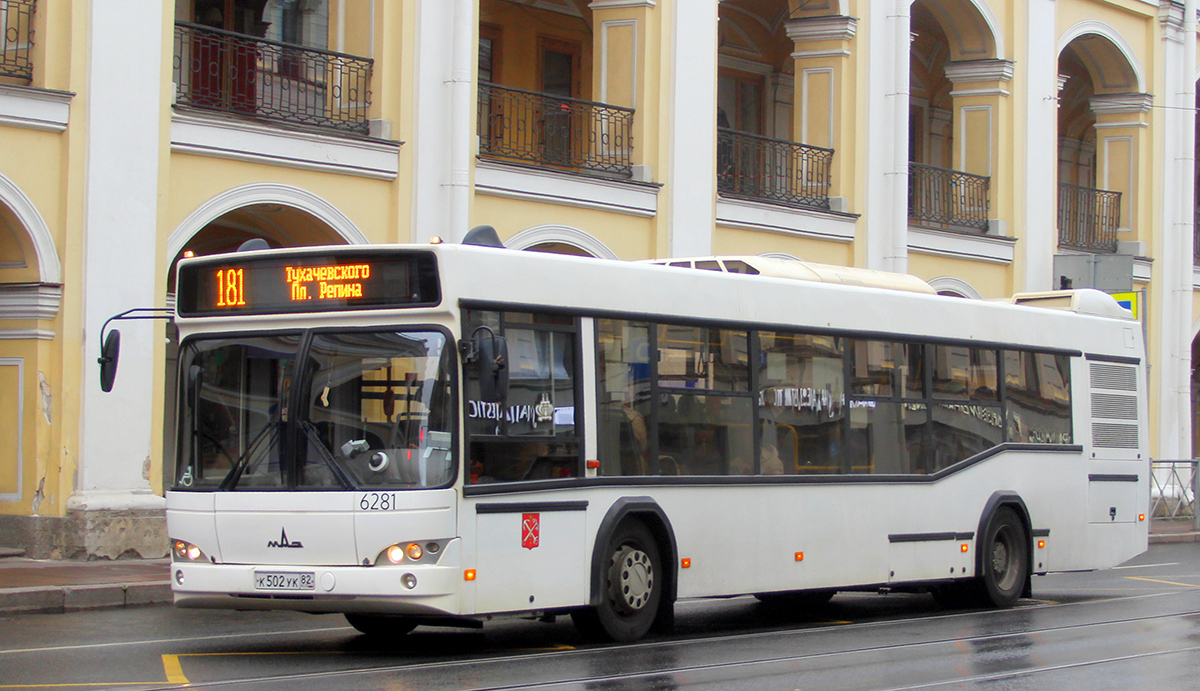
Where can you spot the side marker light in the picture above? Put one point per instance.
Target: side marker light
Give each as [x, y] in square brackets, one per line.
[469, 575]
[799, 556]
[685, 563]
[1041, 544]
[593, 465]
[1141, 517]
[965, 548]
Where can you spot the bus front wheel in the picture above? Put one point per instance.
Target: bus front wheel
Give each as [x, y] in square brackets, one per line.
[631, 587]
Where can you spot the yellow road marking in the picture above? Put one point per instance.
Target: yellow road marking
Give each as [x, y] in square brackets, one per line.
[1154, 580]
[79, 685]
[174, 670]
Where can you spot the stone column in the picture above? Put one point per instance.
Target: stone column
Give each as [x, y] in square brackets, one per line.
[114, 509]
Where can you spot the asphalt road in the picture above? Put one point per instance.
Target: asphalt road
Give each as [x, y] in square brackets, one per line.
[1137, 626]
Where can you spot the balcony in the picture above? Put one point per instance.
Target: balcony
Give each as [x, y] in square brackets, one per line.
[554, 131]
[949, 199]
[1088, 218]
[772, 170]
[16, 22]
[235, 73]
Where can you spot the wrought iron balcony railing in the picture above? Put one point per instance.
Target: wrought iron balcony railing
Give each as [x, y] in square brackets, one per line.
[16, 20]
[236, 73]
[1088, 218]
[532, 127]
[948, 198]
[772, 170]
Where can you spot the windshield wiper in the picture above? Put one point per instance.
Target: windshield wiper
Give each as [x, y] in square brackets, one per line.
[314, 438]
[239, 468]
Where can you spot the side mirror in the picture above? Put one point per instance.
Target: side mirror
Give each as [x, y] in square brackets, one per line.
[108, 360]
[491, 357]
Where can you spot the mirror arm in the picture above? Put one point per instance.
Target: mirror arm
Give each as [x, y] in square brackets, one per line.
[137, 313]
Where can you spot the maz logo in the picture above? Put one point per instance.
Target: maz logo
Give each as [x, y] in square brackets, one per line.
[284, 542]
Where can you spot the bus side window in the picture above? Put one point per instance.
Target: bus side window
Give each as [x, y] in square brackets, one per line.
[531, 435]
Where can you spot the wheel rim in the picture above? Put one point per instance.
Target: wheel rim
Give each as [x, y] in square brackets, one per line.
[1005, 566]
[632, 579]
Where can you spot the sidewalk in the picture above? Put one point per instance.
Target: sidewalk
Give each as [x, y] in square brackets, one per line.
[28, 585]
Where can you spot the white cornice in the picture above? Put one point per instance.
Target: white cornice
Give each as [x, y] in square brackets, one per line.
[744, 65]
[989, 70]
[992, 249]
[552, 187]
[26, 335]
[35, 109]
[615, 4]
[239, 140]
[37, 301]
[772, 218]
[1110, 104]
[833, 28]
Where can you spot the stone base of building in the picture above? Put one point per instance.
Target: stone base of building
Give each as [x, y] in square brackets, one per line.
[89, 534]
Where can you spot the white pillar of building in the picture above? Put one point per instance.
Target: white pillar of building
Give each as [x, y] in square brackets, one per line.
[1039, 227]
[692, 132]
[888, 97]
[442, 137]
[1174, 255]
[120, 240]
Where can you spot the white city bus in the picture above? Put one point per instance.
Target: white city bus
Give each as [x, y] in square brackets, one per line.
[439, 434]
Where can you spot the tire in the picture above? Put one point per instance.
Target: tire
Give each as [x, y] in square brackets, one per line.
[380, 625]
[631, 588]
[1004, 560]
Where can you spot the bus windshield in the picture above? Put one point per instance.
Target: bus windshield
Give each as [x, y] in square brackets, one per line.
[366, 409]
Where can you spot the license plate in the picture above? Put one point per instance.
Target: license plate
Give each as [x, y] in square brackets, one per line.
[283, 580]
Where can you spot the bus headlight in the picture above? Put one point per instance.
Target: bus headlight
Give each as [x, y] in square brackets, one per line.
[426, 552]
[186, 551]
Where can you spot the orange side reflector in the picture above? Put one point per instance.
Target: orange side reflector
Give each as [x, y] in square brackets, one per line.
[593, 465]
[469, 575]
[1041, 544]
[965, 548]
[799, 556]
[685, 563]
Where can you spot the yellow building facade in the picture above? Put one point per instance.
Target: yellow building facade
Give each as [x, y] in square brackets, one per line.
[986, 146]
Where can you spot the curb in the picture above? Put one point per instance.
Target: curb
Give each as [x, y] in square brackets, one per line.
[1172, 538]
[77, 598]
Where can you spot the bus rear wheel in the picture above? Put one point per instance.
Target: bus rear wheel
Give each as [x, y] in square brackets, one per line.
[1005, 559]
[631, 587]
[380, 625]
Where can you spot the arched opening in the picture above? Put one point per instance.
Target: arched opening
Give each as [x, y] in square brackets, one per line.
[280, 225]
[560, 248]
[954, 78]
[1100, 107]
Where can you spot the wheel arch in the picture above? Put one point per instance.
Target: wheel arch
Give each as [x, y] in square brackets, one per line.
[1012, 500]
[646, 510]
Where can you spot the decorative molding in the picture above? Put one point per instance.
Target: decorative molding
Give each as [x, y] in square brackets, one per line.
[1099, 28]
[37, 301]
[1142, 269]
[537, 235]
[262, 193]
[955, 285]
[957, 93]
[239, 140]
[836, 53]
[552, 187]
[832, 28]
[26, 335]
[1120, 104]
[17, 410]
[945, 243]
[36, 109]
[49, 266]
[772, 218]
[604, 55]
[986, 70]
[619, 4]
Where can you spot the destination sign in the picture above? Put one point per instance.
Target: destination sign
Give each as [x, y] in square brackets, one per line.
[289, 282]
